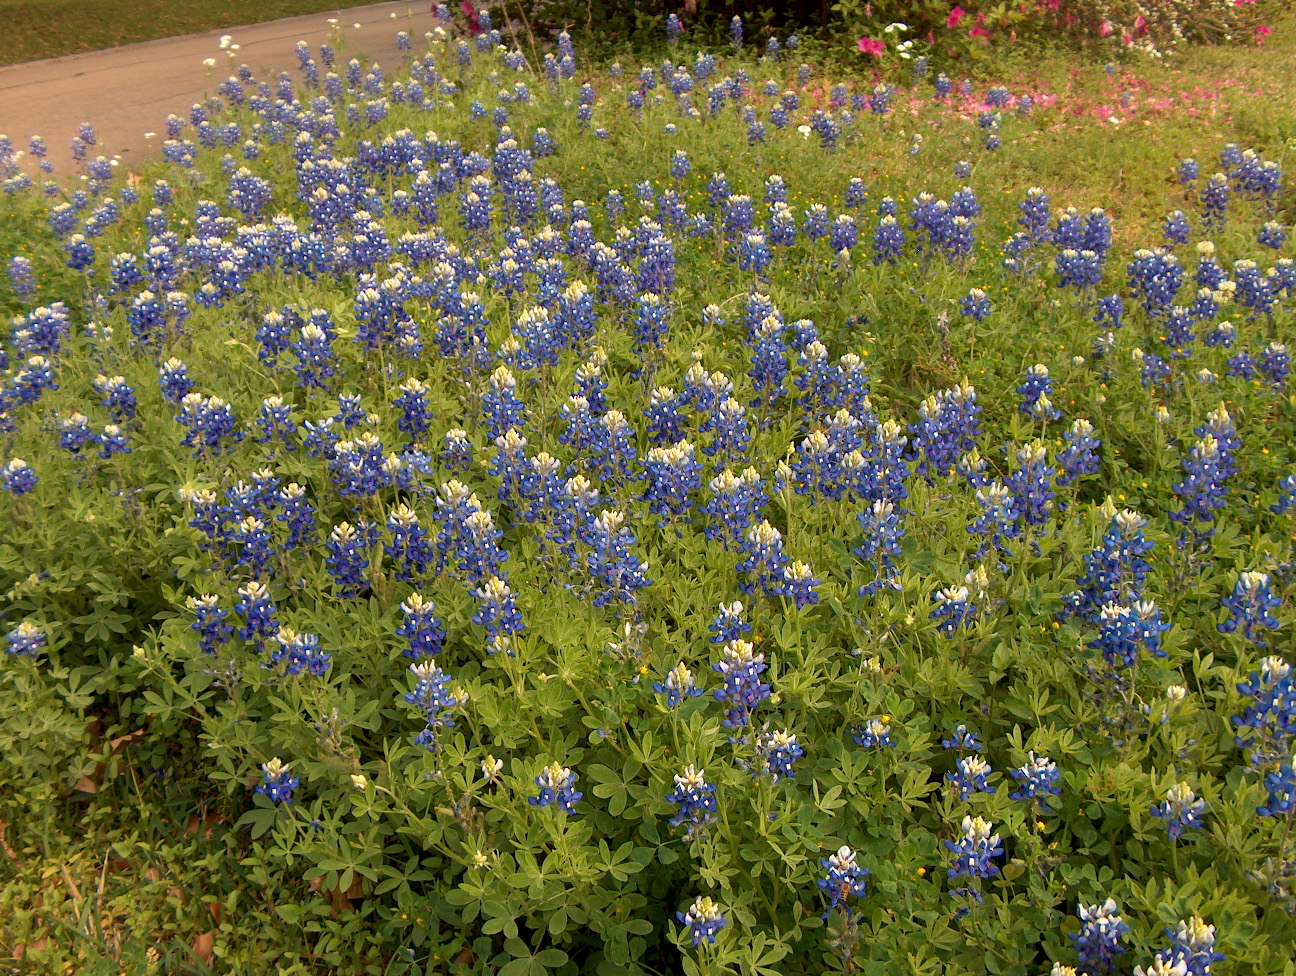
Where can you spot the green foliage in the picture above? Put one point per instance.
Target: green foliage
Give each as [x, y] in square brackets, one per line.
[131, 751]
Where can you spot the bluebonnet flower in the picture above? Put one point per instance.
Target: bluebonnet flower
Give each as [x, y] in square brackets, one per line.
[1188, 171]
[842, 234]
[21, 278]
[976, 305]
[1181, 809]
[173, 378]
[1272, 234]
[1098, 941]
[845, 881]
[954, 609]
[1123, 630]
[556, 784]
[672, 473]
[458, 452]
[302, 652]
[1215, 199]
[1275, 365]
[876, 734]
[961, 740]
[1250, 605]
[697, 803]
[1079, 269]
[1175, 230]
[673, 28]
[431, 698]
[610, 561]
[25, 640]
[277, 784]
[210, 422]
[17, 478]
[118, 396]
[729, 624]
[1286, 496]
[970, 777]
[498, 612]
[799, 584]
[1193, 946]
[765, 561]
[1038, 777]
[975, 851]
[736, 502]
[500, 403]
[346, 562]
[947, 429]
[1030, 483]
[112, 441]
[1205, 488]
[1080, 457]
[703, 918]
[1116, 570]
[1037, 384]
[678, 686]
[775, 752]
[742, 688]
[210, 623]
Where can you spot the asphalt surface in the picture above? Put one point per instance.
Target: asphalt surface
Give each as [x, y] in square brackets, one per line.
[126, 92]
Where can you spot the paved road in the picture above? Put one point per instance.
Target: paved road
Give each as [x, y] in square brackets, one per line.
[128, 91]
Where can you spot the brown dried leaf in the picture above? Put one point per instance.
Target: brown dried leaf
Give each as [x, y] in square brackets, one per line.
[86, 785]
[204, 946]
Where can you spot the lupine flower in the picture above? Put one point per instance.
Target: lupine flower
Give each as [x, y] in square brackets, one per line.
[209, 623]
[876, 734]
[678, 686]
[742, 688]
[556, 789]
[25, 640]
[975, 851]
[954, 609]
[962, 739]
[277, 784]
[17, 478]
[970, 777]
[431, 698]
[1181, 809]
[703, 918]
[1249, 604]
[1194, 946]
[775, 752]
[1098, 941]
[1038, 777]
[697, 803]
[845, 880]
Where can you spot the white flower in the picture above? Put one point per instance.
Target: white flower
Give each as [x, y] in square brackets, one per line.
[209, 62]
[480, 860]
[225, 41]
[804, 130]
[358, 781]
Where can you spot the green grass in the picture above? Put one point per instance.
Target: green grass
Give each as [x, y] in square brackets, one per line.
[48, 28]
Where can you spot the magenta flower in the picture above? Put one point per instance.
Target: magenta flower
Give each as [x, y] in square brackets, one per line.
[869, 45]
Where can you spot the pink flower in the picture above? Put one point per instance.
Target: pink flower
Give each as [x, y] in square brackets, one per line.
[1261, 33]
[1241, 3]
[955, 15]
[978, 31]
[1140, 25]
[1105, 29]
[869, 45]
